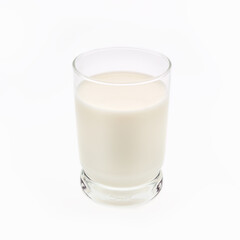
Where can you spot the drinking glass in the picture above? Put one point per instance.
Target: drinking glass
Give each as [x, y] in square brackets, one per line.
[121, 99]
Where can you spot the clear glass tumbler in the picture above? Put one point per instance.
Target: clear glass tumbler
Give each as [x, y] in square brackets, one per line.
[121, 97]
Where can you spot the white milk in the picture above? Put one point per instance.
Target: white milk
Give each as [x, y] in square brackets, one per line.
[121, 129]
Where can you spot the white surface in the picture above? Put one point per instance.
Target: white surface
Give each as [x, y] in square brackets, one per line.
[39, 172]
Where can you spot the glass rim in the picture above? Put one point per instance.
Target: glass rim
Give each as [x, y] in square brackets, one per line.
[153, 52]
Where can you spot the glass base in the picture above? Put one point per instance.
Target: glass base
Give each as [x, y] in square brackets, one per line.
[121, 196]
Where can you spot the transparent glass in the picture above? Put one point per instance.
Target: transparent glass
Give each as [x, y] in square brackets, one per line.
[121, 97]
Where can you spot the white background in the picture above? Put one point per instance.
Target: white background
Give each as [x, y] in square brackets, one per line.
[39, 166]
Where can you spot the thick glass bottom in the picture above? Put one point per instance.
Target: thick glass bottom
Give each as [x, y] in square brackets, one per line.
[121, 196]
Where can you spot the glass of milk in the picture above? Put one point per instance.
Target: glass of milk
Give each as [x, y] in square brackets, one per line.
[121, 97]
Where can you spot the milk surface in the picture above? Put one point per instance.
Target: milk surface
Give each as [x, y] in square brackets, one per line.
[121, 128]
